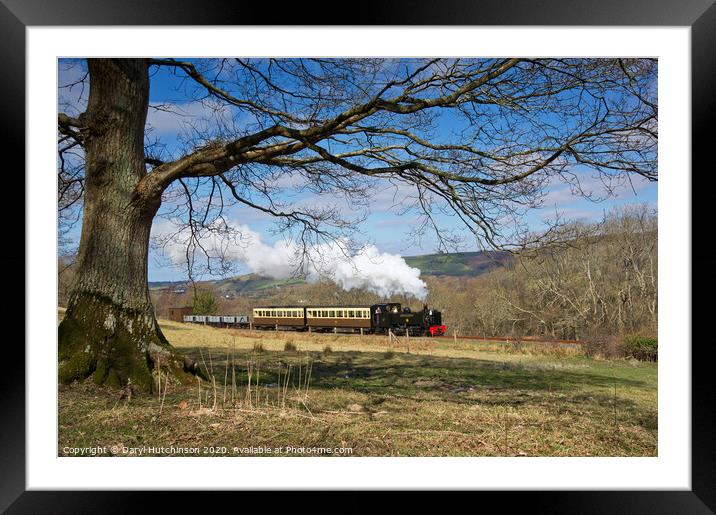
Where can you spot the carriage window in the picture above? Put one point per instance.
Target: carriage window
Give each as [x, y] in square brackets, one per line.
[332, 313]
[351, 314]
[324, 314]
[339, 313]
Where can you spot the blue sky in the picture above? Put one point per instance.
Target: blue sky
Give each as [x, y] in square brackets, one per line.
[384, 225]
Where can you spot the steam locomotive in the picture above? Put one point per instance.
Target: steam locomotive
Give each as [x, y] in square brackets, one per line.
[376, 318]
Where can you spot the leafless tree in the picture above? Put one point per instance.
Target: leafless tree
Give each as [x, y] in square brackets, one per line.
[603, 283]
[480, 139]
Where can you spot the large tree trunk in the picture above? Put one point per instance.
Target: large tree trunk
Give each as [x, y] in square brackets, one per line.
[109, 330]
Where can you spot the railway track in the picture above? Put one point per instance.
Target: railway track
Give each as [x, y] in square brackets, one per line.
[525, 339]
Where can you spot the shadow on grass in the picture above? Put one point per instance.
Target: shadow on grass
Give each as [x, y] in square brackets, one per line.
[408, 374]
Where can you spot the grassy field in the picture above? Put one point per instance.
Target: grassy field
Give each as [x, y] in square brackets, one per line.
[362, 397]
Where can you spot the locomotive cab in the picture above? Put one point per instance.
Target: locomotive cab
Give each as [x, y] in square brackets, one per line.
[403, 320]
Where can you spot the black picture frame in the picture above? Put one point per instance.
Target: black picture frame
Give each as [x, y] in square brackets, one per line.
[700, 15]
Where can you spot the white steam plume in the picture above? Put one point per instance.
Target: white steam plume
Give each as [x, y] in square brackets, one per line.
[381, 273]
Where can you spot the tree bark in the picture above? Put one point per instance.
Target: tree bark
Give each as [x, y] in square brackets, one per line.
[109, 330]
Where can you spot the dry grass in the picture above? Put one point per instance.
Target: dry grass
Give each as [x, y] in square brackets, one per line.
[440, 399]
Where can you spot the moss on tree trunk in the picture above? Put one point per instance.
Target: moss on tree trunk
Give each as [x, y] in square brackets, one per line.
[115, 346]
[109, 331]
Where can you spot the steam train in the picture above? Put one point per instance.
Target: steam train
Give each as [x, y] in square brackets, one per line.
[376, 318]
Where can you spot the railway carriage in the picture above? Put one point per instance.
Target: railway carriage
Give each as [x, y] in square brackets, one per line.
[213, 320]
[279, 316]
[235, 320]
[335, 317]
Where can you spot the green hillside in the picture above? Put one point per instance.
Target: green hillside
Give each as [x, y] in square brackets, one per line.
[252, 283]
[459, 264]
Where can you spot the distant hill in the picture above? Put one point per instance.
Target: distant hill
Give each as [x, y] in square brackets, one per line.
[469, 264]
[459, 264]
[252, 283]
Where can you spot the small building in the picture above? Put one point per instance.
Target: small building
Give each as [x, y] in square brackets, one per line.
[178, 314]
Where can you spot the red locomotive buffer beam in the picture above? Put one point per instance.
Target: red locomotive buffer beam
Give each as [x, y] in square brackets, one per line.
[437, 330]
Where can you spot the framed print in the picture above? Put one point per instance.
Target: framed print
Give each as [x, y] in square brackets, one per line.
[420, 249]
